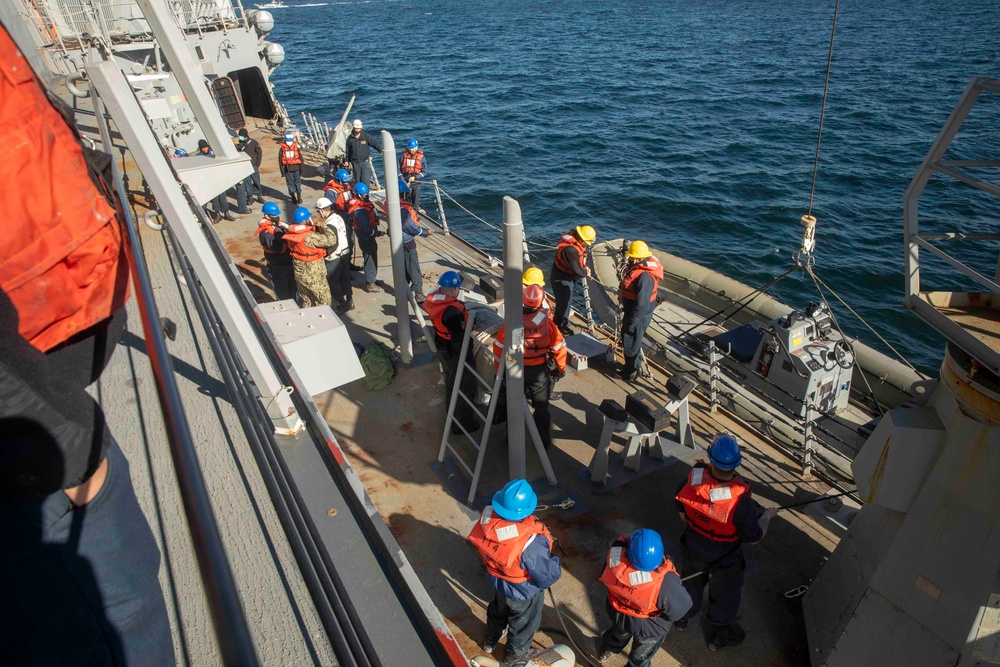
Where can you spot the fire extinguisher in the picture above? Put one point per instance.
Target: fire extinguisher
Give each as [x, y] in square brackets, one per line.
[765, 360]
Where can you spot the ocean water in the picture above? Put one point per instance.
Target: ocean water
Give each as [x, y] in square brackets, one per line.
[689, 124]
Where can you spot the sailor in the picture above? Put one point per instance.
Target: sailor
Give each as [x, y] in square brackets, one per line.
[338, 274]
[290, 164]
[568, 268]
[645, 595]
[720, 516]
[411, 230]
[365, 222]
[544, 360]
[637, 294]
[248, 189]
[342, 201]
[448, 316]
[412, 167]
[359, 147]
[307, 245]
[271, 234]
[220, 202]
[78, 562]
[517, 551]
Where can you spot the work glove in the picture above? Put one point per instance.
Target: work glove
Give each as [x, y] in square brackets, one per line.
[558, 374]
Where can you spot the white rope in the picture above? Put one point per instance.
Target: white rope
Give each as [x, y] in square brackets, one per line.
[490, 225]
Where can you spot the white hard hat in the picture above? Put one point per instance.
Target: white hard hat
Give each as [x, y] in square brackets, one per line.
[357, 124]
[323, 202]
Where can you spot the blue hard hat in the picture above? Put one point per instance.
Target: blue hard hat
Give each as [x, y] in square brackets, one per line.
[360, 189]
[270, 208]
[515, 501]
[724, 452]
[403, 187]
[343, 176]
[411, 143]
[450, 279]
[289, 136]
[302, 214]
[645, 549]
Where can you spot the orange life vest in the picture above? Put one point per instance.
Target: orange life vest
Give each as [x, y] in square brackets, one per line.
[368, 206]
[541, 337]
[335, 186]
[345, 201]
[435, 305]
[709, 504]
[651, 266]
[409, 165]
[501, 543]
[295, 237]
[290, 153]
[560, 262]
[266, 225]
[632, 591]
[63, 266]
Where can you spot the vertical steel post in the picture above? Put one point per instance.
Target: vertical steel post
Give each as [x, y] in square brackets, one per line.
[396, 247]
[513, 236]
[807, 459]
[713, 374]
[437, 196]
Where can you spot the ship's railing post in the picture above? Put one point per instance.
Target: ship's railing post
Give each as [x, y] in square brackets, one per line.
[437, 197]
[392, 214]
[513, 234]
[807, 441]
[713, 374]
[371, 165]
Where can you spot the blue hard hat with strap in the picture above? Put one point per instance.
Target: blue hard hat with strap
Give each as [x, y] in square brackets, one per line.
[724, 452]
[343, 176]
[302, 214]
[360, 189]
[645, 549]
[270, 208]
[450, 279]
[411, 143]
[515, 500]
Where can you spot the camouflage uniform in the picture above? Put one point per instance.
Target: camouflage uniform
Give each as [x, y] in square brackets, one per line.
[310, 277]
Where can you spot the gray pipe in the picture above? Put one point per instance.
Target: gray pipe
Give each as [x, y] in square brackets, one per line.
[396, 246]
[513, 266]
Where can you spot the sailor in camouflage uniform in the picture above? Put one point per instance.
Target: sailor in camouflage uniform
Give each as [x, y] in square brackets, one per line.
[308, 244]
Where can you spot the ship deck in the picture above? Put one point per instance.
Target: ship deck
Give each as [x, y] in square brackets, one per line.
[392, 438]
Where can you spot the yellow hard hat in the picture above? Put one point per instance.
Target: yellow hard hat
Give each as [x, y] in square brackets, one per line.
[638, 250]
[586, 234]
[533, 276]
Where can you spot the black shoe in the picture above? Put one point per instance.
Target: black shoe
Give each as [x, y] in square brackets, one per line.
[260, 200]
[555, 396]
[491, 642]
[355, 267]
[566, 330]
[725, 636]
[420, 297]
[630, 377]
[228, 216]
[681, 625]
[246, 212]
[604, 656]
[345, 307]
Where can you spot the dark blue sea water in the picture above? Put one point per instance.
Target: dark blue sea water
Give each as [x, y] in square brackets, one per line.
[689, 124]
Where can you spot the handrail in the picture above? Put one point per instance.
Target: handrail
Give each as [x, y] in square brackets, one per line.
[231, 628]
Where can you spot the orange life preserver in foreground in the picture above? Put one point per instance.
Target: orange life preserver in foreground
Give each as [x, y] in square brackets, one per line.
[650, 265]
[501, 543]
[63, 264]
[295, 237]
[632, 591]
[290, 153]
[560, 262]
[709, 504]
[435, 305]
